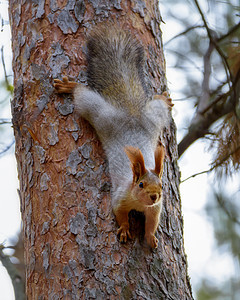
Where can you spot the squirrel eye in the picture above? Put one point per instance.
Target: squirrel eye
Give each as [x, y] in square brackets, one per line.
[141, 185]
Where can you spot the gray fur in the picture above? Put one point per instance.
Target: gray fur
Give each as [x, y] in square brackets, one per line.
[117, 104]
[115, 67]
[117, 129]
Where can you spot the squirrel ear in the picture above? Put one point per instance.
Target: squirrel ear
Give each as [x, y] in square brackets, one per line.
[137, 162]
[159, 158]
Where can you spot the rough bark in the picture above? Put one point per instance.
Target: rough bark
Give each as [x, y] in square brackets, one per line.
[71, 247]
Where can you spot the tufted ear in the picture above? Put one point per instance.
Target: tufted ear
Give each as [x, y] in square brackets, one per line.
[159, 158]
[137, 162]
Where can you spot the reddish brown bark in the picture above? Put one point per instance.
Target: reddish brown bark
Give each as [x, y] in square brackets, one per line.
[71, 247]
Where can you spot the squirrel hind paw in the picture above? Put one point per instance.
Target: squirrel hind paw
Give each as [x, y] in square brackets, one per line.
[164, 97]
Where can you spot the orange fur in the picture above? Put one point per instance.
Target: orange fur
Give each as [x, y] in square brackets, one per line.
[159, 158]
[144, 195]
[164, 97]
[64, 86]
[137, 162]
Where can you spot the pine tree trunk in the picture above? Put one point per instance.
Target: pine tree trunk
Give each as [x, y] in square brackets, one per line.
[71, 247]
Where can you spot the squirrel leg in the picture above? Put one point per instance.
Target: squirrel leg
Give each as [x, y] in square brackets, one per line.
[64, 86]
[157, 112]
[90, 105]
[122, 220]
[152, 216]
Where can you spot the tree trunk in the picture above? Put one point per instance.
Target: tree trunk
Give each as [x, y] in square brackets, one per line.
[71, 247]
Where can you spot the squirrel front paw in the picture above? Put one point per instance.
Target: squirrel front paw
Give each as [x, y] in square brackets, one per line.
[165, 97]
[64, 86]
[124, 233]
[152, 241]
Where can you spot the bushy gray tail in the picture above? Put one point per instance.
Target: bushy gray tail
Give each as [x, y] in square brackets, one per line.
[116, 67]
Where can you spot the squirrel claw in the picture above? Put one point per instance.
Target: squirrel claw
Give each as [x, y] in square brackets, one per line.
[64, 86]
[152, 241]
[165, 97]
[124, 234]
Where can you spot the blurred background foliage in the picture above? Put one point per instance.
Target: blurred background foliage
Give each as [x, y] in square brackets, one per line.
[205, 54]
[6, 91]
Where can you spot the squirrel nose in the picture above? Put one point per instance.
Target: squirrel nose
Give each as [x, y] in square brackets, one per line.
[153, 197]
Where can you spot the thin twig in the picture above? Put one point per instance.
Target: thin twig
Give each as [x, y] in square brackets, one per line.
[183, 33]
[184, 99]
[196, 174]
[222, 205]
[214, 41]
[214, 166]
[186, 58]
[219, 98]
[230, 32]
[5, 121]
[7, 148]
[4, 69]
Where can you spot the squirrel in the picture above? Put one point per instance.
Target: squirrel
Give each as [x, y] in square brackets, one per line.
[127, 121]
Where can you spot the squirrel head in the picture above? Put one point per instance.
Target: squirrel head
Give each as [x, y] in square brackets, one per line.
[147, 184]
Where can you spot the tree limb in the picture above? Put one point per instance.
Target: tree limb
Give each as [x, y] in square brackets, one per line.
[200, 125]
[204, 98]
[207, 114]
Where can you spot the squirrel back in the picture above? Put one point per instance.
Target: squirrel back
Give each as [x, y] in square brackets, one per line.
[115, 70]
